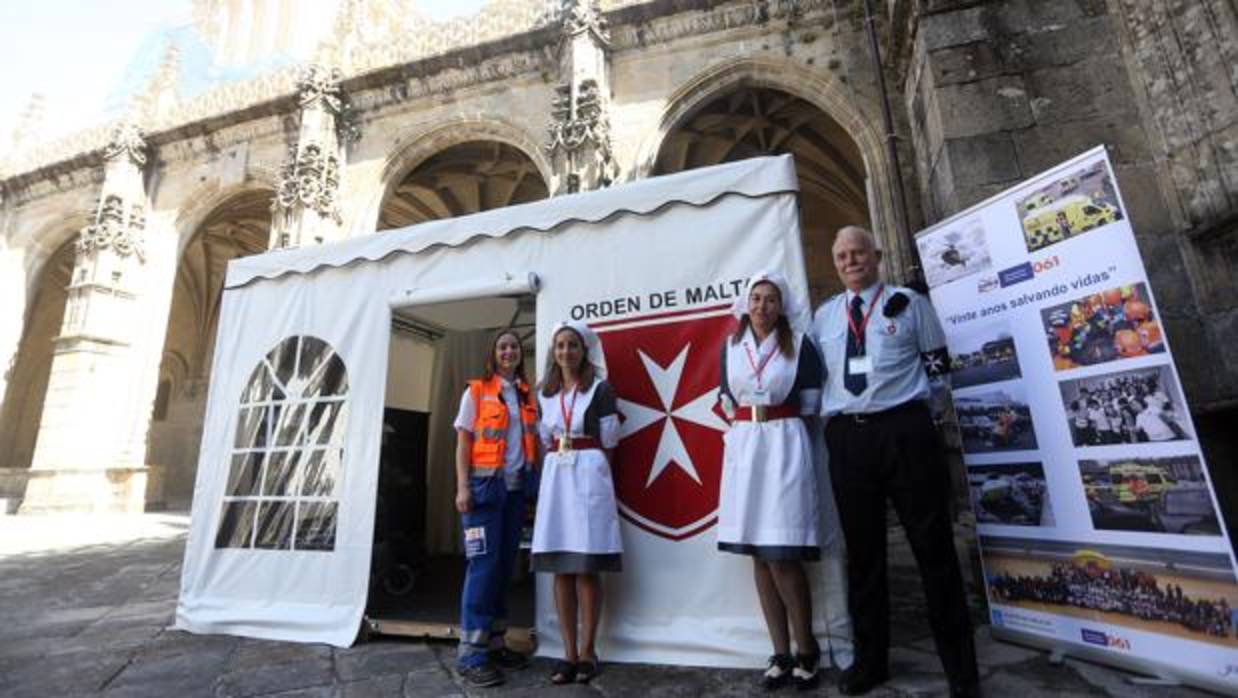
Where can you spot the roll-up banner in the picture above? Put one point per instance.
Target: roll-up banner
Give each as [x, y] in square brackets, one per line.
[1099, 530]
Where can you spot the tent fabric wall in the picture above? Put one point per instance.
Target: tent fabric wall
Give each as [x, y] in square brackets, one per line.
[276, 594]
[689, 236]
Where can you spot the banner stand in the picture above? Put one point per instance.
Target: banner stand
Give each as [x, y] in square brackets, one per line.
[1099, 531]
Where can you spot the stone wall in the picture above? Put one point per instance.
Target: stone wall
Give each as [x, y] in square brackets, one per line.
[1182, 57]
[999, 90]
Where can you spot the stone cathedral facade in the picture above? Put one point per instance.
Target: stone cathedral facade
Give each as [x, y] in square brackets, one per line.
[114, 242]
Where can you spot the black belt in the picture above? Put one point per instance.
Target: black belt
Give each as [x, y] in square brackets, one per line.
[869, 417]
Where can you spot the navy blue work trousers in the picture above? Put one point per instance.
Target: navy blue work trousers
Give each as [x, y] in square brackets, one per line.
[491, 542]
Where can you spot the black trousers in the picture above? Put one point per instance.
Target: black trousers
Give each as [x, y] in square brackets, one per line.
[897, 454]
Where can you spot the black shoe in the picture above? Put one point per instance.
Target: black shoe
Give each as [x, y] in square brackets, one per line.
[508, 659]
[779, 672]
[805, 674]
[858, 680]
[587, 670]
[564, 672]
[482, 675]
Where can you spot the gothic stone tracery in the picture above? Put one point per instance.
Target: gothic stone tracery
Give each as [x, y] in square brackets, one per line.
[305, 206]
[579, 130]
[117, 227]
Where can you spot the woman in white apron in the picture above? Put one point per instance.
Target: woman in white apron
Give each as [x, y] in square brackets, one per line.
[576, 533]
[771, 377]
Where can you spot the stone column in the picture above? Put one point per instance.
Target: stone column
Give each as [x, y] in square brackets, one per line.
[13, 289]
[305, 210]
[82, 460]
[580, 146]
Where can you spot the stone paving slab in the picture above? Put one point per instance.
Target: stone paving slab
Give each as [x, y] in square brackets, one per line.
[172, 675]
[94, 620]
[75, 673]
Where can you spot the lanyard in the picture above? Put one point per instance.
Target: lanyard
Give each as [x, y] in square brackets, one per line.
[858, 332]
[567, 411]
[757, 369]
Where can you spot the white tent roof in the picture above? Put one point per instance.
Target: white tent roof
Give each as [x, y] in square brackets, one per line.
[755, 177]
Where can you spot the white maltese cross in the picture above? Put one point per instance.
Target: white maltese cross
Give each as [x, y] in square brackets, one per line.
[698, 410]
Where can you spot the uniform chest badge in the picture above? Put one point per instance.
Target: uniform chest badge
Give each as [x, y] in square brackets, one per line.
[891, 329]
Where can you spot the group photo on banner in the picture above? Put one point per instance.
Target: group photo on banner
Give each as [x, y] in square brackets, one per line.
[1098, 526]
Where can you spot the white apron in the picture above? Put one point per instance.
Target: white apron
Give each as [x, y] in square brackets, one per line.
[768, 495]
[576, 509]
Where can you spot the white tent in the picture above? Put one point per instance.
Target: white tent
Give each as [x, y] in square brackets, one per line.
[283, 515]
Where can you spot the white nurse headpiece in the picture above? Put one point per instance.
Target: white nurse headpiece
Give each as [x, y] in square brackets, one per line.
[593, 345]
[793, 306]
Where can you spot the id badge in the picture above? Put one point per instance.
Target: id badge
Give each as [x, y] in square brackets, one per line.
[566, 458]
[474, 541]
[760, 396]
[860, 365]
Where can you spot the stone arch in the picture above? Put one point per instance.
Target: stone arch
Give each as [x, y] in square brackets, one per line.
[856, 116]
[220, 225]
[26, 386]
[43, 244]
[237, 224]
[206, 200]
[424, 144]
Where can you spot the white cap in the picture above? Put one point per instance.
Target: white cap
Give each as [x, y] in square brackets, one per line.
[792, 306]
[593, 346]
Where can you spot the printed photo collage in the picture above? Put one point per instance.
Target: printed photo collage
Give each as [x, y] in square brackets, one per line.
[1091, 338]
[1182, 594]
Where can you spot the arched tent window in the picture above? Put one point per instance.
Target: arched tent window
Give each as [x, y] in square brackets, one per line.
[288, 452]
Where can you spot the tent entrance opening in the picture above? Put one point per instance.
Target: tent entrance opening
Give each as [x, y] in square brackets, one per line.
[418, 564]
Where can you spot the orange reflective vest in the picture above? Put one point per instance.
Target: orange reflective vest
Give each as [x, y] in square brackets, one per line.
[490, 424]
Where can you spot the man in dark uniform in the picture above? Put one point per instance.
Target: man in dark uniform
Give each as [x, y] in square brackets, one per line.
[881, 344]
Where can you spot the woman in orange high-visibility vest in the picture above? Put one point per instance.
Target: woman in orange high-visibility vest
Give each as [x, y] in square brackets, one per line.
[576, 534]
[496, 449]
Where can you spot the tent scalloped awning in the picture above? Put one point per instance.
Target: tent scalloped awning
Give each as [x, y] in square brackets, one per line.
[756, 177]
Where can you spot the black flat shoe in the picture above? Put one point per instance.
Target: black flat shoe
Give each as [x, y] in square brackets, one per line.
[779, 672]
[806, 674]
[857, 681]
[587, 669]
[564, 673]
